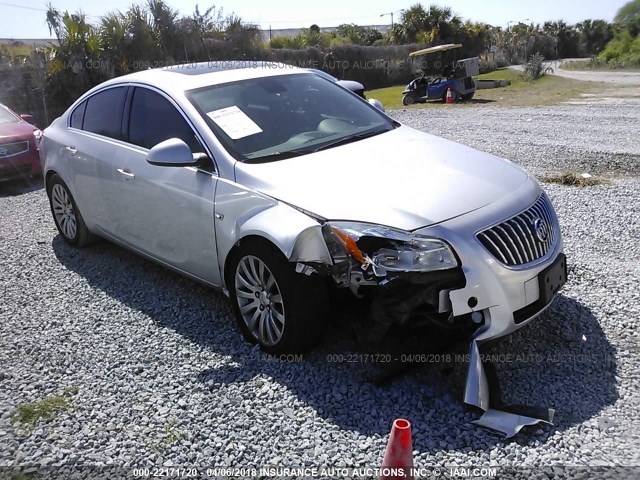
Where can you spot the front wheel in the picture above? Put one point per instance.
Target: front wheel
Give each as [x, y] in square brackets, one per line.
[408, 100]
[66, 214]
[274, 306]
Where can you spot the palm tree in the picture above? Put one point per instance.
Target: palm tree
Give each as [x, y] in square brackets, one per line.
[437, 24]
[595, 35]
[162, 23]
[75, 66]
[414, 20]
[115, 42]
[200, 26]
[144, 51]
[243, 38]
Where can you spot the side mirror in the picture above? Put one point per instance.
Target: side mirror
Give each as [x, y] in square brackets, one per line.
[174, 153]
[27, 117]
[377, 104]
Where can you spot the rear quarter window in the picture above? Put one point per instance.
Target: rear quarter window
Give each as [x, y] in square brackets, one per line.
[77, 116]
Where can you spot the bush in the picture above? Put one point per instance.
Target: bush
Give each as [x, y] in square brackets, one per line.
[535, 68]
[574, 179]
[624, 48]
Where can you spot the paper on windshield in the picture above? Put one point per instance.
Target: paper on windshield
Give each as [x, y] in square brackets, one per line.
[234, 122]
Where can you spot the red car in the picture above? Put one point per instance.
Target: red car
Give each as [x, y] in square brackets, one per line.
[19, 146]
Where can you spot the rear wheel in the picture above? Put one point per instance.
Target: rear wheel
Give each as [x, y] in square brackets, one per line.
[66, 215]
[467, 96]
[274, 306]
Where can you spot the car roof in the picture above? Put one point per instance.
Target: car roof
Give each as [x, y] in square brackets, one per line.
[189, 76]
[439, 48]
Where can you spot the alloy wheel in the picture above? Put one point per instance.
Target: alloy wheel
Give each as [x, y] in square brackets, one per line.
[260, 300]
[63, 210]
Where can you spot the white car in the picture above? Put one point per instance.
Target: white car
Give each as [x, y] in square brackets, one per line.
[276, 186]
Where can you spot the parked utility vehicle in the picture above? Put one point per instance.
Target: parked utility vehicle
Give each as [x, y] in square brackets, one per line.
[440, 71]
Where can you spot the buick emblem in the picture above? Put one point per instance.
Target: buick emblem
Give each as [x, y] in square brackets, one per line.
[3, 151]
[541, 230]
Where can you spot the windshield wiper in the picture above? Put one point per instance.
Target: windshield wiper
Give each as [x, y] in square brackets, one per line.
[350, 139]
[272, 157]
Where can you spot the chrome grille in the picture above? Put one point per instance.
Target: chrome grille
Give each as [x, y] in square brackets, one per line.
[15, 148]
[524, 238]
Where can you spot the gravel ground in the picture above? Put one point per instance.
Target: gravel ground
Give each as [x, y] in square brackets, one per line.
[156, 374]
[597, 138]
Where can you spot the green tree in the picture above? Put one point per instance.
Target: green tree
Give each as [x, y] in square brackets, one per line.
[357, 34]
[114, 41]
[625, 45]
[162, 19]
[415, 20]
[629, 17]
[143, 48]
[567, 37]
[595, 35]
[242, 38]
[436, 25]
[76, 65]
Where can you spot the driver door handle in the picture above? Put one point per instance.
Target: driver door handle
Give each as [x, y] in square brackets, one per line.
[127, 173]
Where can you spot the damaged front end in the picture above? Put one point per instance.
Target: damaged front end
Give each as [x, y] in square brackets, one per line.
[410, 278]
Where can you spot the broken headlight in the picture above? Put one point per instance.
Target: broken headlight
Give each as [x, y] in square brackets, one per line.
[389, 250]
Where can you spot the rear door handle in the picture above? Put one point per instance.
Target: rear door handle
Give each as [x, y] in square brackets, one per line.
[73, 150]
[126, 173]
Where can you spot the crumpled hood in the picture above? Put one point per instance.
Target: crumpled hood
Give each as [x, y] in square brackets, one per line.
[403, 178]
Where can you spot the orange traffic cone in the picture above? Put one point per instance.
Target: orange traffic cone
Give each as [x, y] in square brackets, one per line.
[449, 95]
[398, 457]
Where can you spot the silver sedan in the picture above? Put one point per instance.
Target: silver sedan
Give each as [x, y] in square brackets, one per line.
[279, 187]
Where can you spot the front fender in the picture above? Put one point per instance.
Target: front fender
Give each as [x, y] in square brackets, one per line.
[241, 212]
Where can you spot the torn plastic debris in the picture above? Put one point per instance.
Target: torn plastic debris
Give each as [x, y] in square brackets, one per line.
[506, 422]
[483, 391]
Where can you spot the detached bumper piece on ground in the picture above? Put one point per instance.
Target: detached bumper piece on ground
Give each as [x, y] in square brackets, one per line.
[483, 391]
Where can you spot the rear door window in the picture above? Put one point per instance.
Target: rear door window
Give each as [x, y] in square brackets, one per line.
[103, 113]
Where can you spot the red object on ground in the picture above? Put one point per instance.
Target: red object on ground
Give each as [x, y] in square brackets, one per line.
[398, 456]
[449, 95]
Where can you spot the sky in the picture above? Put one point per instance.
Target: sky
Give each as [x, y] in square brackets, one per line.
[26, 18]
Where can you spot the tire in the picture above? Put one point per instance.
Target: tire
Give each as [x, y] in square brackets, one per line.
[274, 306]
[408, 100]
[66, 214]
[467, 96]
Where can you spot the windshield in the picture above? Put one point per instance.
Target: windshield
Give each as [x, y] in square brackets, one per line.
[271, 118]
[7, 117]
